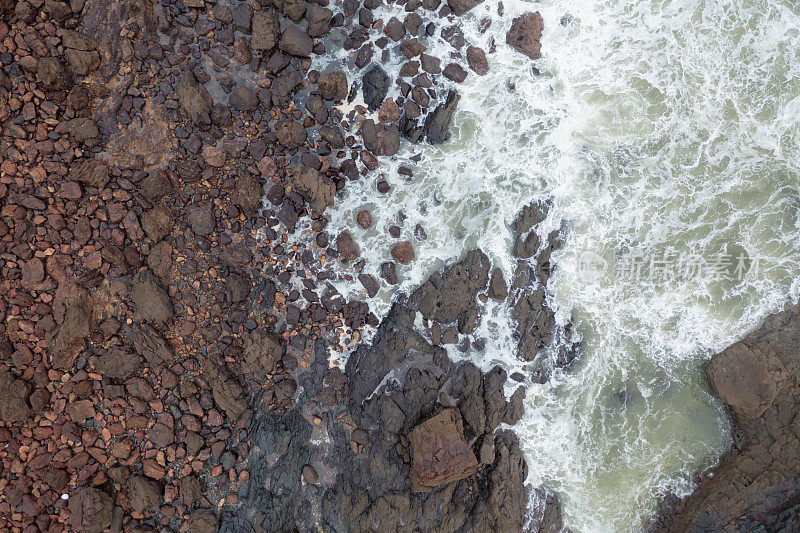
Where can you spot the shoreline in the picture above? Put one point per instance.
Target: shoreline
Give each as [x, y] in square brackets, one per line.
[165, 337]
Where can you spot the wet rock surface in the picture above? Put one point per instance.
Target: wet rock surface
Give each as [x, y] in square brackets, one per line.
[755, 486]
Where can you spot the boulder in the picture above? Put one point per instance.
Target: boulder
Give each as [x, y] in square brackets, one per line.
[145, 494]
[291, 134]
[459, 7]
[91, 510]
[333, 86]
[525, 33]
[262, 351]
[347, 247]
[439, 452]
[380, 139]
[296, 42]
[454, 291]
[375, 85]
[476, 60]
[194, 99]
[243, 99]
[319, 20]
[91, 172]
[747, 376]
[403, 252]
[151, 300]
[315, 188]
[266, 29]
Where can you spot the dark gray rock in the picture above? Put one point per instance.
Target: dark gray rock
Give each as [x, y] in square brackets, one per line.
[437, 124]
[375, 85]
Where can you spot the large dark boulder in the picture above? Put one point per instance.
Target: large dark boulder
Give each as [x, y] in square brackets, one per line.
[375, 85]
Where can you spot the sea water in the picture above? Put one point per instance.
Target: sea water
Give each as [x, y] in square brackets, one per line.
[665, 133]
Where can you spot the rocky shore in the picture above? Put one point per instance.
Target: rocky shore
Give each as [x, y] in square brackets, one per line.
[164, 347]
[169, 326]
[756, 486]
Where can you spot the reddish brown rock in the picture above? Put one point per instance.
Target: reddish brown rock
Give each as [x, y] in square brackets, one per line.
[476, 59]
[364, 219]
[347, 247]
[403, 251]
[525, 33]
[90, 510]
[439, 452]
[389, 112]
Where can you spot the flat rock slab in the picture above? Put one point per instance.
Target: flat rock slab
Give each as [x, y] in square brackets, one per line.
[440, 453]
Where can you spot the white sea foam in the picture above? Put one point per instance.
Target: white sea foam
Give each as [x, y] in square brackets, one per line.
[658, 126]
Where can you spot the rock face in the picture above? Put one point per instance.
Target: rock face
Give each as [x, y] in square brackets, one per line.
[756, 485]
[444, 298]
[525, 33]
[439, 452]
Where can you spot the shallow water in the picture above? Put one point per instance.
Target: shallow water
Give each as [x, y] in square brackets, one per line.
[661, 130]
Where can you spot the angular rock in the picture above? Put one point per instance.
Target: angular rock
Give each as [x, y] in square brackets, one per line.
[145, 494]
[476, 59]
[318, 190]
[347, 247]
[291, 134]
[498, 290]
[380, 139]
[266, 29]
[459, 7]
[262, 351]
[201, 219]
[525, 33]
[243, 99]
[333, 86]
[151, 300]
[440, 453]
[157, 222]
[296, 42]
[319, 20]
[437, 124]
[91, 510]
[375, 85]
[403, 251]
[194, 99]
